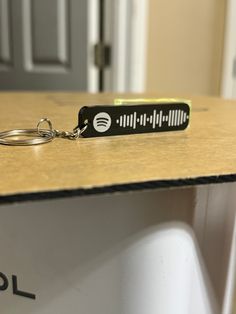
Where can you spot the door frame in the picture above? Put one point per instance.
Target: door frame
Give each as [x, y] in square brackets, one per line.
[126, 32]
[229, 51]
[93, 37]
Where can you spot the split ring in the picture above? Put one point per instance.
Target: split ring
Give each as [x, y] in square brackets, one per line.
[35, 137]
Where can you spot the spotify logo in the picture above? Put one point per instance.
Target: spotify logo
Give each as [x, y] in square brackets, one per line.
[102, 122]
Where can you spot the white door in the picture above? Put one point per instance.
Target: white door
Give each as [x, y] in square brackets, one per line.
[43, 44]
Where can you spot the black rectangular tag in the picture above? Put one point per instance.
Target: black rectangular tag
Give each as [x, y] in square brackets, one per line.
[112, 120]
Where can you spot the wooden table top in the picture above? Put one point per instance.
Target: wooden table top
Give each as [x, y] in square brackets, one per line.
[204, 153]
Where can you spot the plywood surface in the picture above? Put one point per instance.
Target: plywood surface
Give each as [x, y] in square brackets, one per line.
[205, 153]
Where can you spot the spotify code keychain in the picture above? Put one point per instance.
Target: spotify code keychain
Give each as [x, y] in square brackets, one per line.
[126, 117]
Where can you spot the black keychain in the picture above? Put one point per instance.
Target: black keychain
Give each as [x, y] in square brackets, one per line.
[133, 119]
[111, 120]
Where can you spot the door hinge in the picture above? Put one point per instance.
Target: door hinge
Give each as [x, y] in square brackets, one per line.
[102, 55]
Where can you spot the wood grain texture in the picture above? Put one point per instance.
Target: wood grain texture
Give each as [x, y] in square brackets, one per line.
[206, 149]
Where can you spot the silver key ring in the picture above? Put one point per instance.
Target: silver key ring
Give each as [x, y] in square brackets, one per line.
[37, 136]
[44, 137]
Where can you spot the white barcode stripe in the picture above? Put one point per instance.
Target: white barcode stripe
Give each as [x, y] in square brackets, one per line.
[154, 119]
[135, 116]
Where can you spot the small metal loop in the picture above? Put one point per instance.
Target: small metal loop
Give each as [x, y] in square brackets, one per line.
[79, 131]
[45, 136]
[40, 132]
